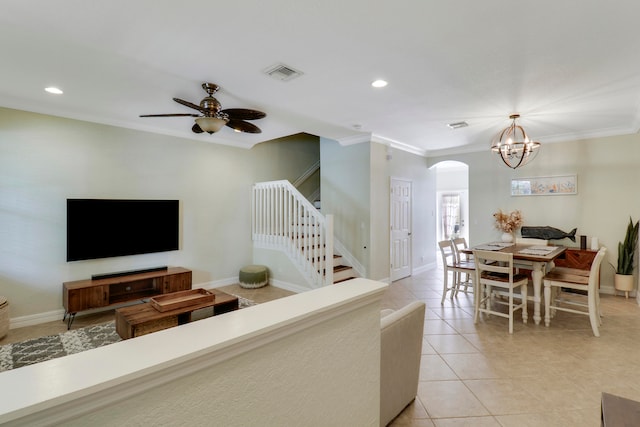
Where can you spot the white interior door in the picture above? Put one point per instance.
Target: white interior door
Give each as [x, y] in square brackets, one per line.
[400, 228]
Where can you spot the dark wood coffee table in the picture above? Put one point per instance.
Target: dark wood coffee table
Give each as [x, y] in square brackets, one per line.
[141, 319]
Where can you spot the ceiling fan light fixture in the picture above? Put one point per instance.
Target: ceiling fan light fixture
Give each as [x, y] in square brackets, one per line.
[212, 117]
[211, 124]
[514, 146]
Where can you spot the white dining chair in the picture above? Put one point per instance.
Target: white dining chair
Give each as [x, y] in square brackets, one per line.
[451, 265]
[494, 269]
[464, 260]
[561, 278]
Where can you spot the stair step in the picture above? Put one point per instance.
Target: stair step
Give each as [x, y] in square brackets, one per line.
[342, 272]
[343, 280]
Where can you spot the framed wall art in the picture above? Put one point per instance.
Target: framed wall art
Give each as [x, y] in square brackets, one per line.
[545, 186]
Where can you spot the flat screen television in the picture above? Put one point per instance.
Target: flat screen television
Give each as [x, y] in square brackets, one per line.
[103, 228]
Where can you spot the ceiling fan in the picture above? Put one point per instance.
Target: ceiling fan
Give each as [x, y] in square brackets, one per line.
[213, 118]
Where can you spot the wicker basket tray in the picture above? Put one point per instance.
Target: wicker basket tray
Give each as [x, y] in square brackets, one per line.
[181, 299]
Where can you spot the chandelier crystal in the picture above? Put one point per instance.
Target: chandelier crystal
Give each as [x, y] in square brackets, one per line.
[514, 146]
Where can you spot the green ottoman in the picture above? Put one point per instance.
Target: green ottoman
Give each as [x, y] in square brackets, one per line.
[253, 276]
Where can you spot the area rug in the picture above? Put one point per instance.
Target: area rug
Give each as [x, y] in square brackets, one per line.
[36, 350]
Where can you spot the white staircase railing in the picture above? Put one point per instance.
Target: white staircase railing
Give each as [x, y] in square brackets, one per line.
[284, 219]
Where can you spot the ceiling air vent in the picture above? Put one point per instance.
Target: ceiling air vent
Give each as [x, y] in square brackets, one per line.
[282, 72]
[458, 125]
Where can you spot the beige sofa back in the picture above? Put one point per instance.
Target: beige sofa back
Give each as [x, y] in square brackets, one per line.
[401, 334]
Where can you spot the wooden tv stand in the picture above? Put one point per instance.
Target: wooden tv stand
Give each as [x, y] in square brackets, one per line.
[89, 294]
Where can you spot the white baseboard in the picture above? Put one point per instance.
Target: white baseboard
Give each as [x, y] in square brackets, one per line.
[610, 290]
[36, 319]
[289, 286]
[423, 268]
[216, 283]
[50, 316]
[233, 280]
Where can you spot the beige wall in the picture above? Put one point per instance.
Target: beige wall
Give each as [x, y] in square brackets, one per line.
[379, 255]
[44, 160]
[345, 187]
[414, 167]
[355, 187]
[608, 171]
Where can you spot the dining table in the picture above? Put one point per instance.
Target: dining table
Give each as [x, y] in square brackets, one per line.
[530, 257]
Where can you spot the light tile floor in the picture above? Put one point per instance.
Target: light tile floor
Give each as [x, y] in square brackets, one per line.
[479, 375]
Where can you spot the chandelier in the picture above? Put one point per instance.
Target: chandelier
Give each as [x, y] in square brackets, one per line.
[514, 146]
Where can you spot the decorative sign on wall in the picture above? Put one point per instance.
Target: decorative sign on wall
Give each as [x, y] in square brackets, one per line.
[545, 186]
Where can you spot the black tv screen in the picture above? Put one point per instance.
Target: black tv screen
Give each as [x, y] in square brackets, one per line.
[102, 228]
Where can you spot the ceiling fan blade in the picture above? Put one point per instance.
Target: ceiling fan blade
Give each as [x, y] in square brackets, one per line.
[170, 115]
[244, 114]
[196, 129]
[188, 104]
[242, 126]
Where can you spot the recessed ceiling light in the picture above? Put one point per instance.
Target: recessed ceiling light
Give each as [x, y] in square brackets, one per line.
[379, 83]
[53, 90]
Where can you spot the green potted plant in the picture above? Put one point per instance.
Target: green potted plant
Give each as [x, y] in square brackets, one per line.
[626, 252]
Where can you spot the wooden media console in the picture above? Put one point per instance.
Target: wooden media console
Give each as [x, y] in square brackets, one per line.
[81, 295]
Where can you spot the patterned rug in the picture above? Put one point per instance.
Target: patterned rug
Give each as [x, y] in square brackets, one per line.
[36, 350]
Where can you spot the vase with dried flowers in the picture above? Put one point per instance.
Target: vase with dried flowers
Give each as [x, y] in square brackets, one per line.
[508, 223]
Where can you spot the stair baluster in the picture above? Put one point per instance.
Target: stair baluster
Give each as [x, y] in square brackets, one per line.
[284, 219]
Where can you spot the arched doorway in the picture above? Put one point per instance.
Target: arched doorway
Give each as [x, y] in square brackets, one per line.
[452, 200]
